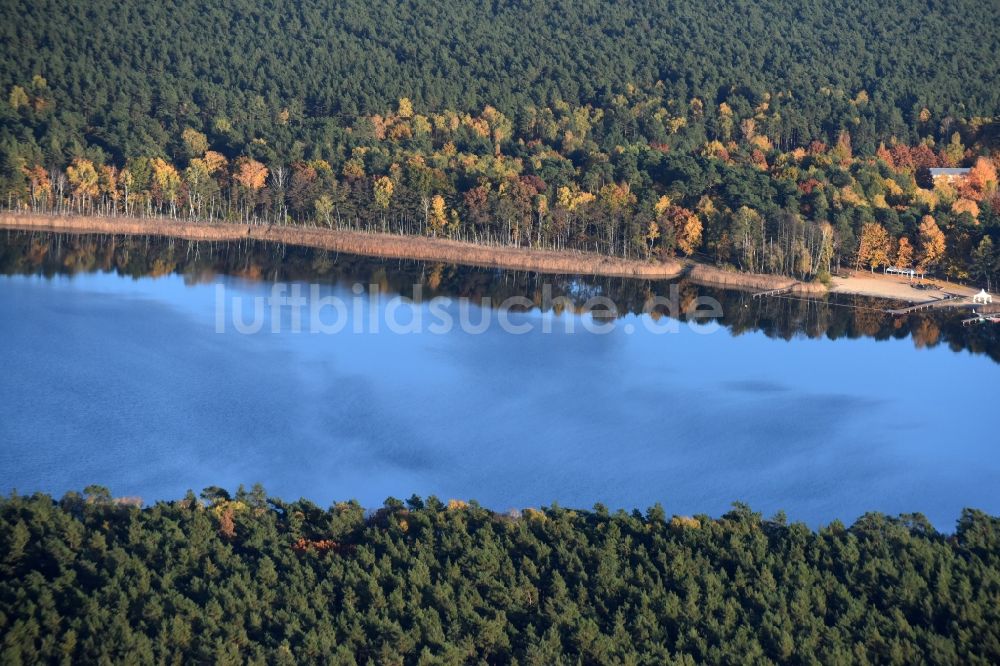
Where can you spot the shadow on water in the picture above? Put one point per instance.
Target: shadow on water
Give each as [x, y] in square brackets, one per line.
[833, 316]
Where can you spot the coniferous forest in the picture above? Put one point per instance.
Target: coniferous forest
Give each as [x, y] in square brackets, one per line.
[762, 136]
[252, 579]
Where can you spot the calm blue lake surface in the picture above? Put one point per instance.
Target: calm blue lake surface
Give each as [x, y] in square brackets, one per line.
[127, 383]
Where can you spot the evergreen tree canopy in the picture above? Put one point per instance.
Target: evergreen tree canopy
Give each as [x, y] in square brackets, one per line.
[251, 579]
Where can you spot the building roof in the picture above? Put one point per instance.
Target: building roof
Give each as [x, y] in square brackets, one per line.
[950, 172]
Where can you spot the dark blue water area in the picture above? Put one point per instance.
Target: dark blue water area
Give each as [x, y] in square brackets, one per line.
[128, 383]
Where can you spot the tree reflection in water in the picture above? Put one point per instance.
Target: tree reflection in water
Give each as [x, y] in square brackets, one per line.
[833, 316]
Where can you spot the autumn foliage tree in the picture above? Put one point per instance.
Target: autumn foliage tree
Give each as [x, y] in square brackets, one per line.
[964, 205]
[251, 176]
[438, 217]
[250, 173]
[981, 181]
[679, 227]
[932, 244]
[619, 178]
[383, 190]
[904, 253]
[167, 183]
[873, 247]
[195, 142]
[83, 179]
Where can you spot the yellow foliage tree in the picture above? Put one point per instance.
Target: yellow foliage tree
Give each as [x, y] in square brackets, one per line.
[570, 199]
[421, 125]
[167, 180]
[843, 152]
[383, 192]
[354, 168]
[715, 149]
[82, 178]
[689, 230]
[195, 142]
[196, 176]
[946, 191]
[437, 218]
[652, 233]
[39, 183]
[928, 198]
[18, 97]
[662, 205]
[400, 131]
[324, 208]
[932, 243]
[954, 151]
[874, 246]
[126, 180]
[500, 127]
[617, 197]
[214, 161]
[108, 182]
[726, 121]
[762, 142]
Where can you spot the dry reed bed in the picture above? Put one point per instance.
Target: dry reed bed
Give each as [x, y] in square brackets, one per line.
[390, 246]
[717, 277]
[355, 242]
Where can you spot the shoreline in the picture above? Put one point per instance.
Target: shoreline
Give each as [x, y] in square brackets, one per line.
[381, 245]
[419, 248]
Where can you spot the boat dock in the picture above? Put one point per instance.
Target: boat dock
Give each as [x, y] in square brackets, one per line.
[949, 300]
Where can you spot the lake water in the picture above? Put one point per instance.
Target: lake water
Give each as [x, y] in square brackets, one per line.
[114, 372]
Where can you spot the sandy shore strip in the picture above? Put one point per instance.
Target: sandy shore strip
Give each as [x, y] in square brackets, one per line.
[878, 285]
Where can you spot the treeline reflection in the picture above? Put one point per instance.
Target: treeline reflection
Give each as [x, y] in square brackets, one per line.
[833, 317]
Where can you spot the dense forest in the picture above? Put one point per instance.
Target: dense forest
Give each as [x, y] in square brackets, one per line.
[131, 76]
[252, 579]
[756, 135]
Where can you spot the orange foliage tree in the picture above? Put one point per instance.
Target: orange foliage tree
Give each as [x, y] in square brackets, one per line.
[250, 173]
[904, 253]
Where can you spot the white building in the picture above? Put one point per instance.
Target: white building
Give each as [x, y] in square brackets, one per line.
[982, 297]
[949, 175]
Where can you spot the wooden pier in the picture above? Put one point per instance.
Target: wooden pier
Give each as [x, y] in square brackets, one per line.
[949, 300]
[982, 319]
